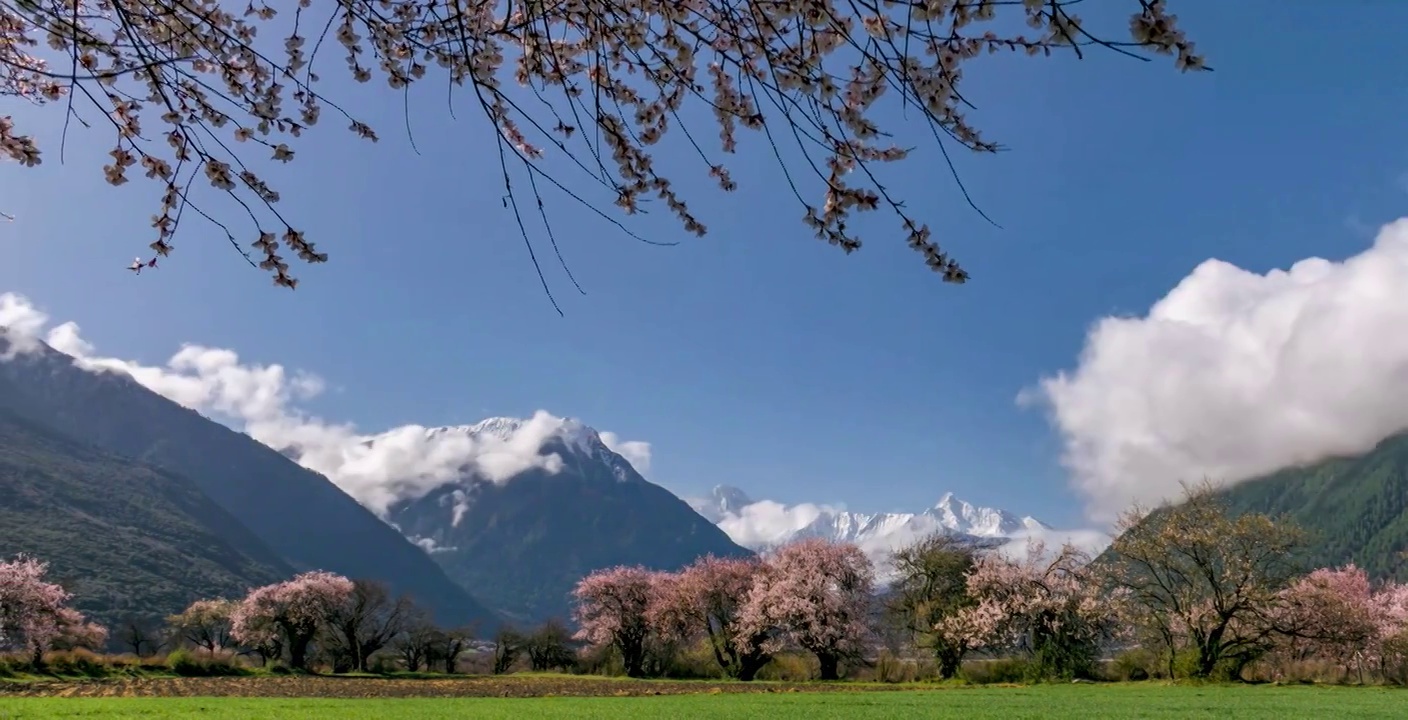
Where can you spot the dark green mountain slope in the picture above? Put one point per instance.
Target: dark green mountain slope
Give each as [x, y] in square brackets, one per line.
[297, 513]
[124, 537]
[1356, 508]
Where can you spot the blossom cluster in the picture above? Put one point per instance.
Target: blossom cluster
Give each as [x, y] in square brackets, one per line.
[226, 84]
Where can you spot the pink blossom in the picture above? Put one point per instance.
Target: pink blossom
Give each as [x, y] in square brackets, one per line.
[289, 613]
[706, 600]
[34, 614]
[816, 595]
[1046, 604]
[612, 609]
[190, 94]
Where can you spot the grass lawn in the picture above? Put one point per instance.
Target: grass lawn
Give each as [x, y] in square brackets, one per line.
[1083, 702]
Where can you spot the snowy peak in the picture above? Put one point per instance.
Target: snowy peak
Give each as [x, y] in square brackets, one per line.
[764, 525]
[962, 517]
[535, 434]
[723, 500]
[508, 446]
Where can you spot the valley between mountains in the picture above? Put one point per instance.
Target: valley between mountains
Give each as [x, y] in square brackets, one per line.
[148, 505]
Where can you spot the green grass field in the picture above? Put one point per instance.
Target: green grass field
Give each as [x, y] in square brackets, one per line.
[1085, 702]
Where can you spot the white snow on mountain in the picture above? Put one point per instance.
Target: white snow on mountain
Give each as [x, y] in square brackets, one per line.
[545, 438]
[765, 524]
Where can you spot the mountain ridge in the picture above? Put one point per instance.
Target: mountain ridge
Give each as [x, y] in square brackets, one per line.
[764, 525]
[78, 508]
[299, 514]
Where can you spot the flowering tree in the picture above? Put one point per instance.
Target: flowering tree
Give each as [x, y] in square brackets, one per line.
[290, 613]
[1046, 604]
[600, 84]
[34, 613]
[705, 599]
[205, 624]
[612, 609]
[1336, 614]
[932, 586]
[1331, 614]
[815, 594]
[1201, 580]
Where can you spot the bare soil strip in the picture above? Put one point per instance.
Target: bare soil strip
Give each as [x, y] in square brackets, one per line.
[363, 687]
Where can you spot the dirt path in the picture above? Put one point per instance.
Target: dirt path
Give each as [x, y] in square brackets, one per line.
[363, 687]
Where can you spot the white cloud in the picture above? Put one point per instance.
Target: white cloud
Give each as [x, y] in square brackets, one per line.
[765, 522]
[430, 546]
[1235, 374]
[377, 469]
[636, 452]
[1090, 541]
[22, 325]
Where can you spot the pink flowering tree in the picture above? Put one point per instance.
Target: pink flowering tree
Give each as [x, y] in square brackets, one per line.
[34, 613]
[814, 594]
[706, 600]
[1337, 614]
[612, 611]
[202, 96]
[290, 614]
[1046, 604]
[1331, 614]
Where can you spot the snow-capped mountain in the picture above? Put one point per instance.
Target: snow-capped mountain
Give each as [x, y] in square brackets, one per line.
[762, 525]
[551, 440]
[726, 506]
[544, 502]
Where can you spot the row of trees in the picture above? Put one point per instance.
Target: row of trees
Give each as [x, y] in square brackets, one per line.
[344, 622]
[812, 595]
[1198, 592]
[347, 623]
[1204, 593]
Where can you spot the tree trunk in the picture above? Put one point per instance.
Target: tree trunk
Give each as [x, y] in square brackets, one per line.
[633, 657]
[749, 665]
[830, 666]
[298, 652]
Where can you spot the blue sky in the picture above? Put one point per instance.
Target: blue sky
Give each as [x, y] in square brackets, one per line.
[757, 356]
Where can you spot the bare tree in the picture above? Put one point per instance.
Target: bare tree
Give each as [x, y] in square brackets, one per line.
[508, 645]
[550, 647]
[1194, 577]
[141, 635]
[451, 644]
[193, 92]
[931, 586]
[367, 622]
[417, 644]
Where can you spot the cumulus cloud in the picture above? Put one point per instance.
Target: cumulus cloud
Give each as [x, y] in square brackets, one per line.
[378, 469]
[1234, 374]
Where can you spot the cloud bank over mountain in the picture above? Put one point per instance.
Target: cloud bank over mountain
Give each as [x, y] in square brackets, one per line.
[766, 524]
[378, 469]
[1234, 374]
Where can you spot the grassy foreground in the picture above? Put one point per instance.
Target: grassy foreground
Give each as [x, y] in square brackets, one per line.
[391, 700]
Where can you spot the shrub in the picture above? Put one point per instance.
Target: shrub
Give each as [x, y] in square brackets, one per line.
[791, 667]
[1136, 664]
[78, 662]
[203, 664]
[1006, 670]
